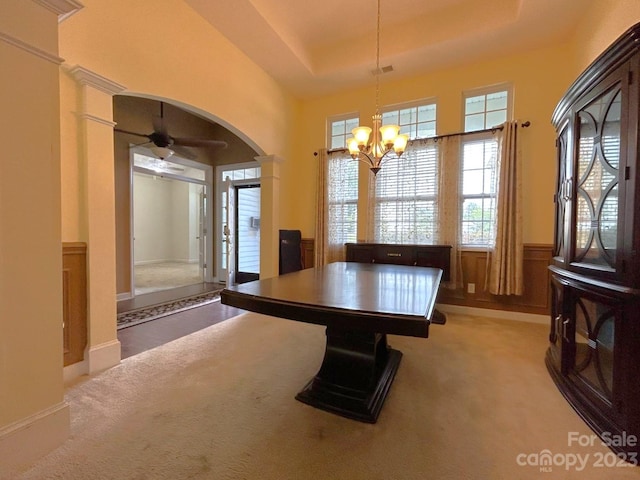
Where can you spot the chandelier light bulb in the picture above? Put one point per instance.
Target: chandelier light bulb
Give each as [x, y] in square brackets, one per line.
[361, 134]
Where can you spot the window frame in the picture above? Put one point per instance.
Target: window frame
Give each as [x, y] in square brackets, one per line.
[487, 90]
[474, 136]
[412, 104]
[342, 202]
[400, 200]
[486, 194]
[339, 118]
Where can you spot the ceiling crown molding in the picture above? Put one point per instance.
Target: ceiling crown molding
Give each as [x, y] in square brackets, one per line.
[63, 8]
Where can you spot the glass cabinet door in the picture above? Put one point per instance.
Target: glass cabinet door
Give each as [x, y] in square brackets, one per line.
[562, 196]
[594, 347]
[597, 178]
[560, 348]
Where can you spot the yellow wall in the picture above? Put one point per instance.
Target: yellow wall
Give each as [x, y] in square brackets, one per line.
[164, 50]
[602, 24]
[539, 78]
[188, 62]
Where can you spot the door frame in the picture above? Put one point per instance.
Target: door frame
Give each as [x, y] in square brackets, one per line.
[207, 183]
[218, 238]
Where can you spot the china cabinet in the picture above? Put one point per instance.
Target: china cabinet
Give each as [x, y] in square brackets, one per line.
[594, 353]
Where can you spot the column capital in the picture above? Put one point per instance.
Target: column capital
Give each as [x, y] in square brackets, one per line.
[86, 77]
[262, 159]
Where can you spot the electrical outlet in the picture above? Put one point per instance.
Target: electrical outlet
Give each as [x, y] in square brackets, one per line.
[471, 288]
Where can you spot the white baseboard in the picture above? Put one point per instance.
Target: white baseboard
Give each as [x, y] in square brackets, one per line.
[124, 296]
[25, 441]
[166, 260]
[72, 372]
[96, 359]
[103, 356]
[490, 313]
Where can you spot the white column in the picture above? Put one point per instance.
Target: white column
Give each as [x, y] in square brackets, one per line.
[269, 214]
[96, 133]
[34, 418]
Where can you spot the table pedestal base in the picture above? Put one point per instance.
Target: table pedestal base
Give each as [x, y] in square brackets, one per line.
[355, 376]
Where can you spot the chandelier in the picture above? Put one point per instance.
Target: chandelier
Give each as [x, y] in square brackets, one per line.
[386, 139]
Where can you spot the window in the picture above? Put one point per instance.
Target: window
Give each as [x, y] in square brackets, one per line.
[342, 182]
[485, 110]
[478, 172]
[479, 167]
[340, 129]
[416, 120]
[342, 198]
[406, 198]
[406, 188]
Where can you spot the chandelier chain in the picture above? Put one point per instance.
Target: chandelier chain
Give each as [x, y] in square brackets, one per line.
[373, 145]
[378, 60]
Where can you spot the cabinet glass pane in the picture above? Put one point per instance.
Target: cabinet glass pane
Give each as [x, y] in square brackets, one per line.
[594, 344]
[562, 194]
[597, 180]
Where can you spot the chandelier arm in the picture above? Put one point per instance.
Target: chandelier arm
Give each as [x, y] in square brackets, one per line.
[385, 157]
[367, 159]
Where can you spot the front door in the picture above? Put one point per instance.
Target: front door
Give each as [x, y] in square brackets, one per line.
[247, 233]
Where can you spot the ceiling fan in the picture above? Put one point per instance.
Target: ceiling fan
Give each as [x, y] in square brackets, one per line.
[165, 145]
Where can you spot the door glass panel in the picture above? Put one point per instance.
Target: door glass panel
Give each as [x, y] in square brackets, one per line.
[594, 343]
[248, 233]
[597, 183]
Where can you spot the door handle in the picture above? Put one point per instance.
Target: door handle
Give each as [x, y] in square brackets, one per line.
[565, 326]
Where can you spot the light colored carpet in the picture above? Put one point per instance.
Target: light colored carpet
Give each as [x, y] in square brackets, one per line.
[154, 277]
[219, 404]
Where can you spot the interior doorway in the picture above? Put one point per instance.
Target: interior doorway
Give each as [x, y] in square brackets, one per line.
[169, 223]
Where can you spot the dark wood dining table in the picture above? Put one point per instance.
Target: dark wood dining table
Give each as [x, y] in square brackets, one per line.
[359, 303]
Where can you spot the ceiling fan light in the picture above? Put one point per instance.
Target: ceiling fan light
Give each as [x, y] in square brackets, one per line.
[162, 152]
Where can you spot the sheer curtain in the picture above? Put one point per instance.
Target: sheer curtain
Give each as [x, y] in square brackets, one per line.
[448, 204]
[321, 240]
[336, 205]
[506, 262]
[414, 199]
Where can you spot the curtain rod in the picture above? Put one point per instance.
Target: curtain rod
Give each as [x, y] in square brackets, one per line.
[486, 130]
[437, 137]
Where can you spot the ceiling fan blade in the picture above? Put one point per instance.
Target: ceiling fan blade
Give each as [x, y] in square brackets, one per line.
[183, 152]
[119, 130]
[199, 142]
